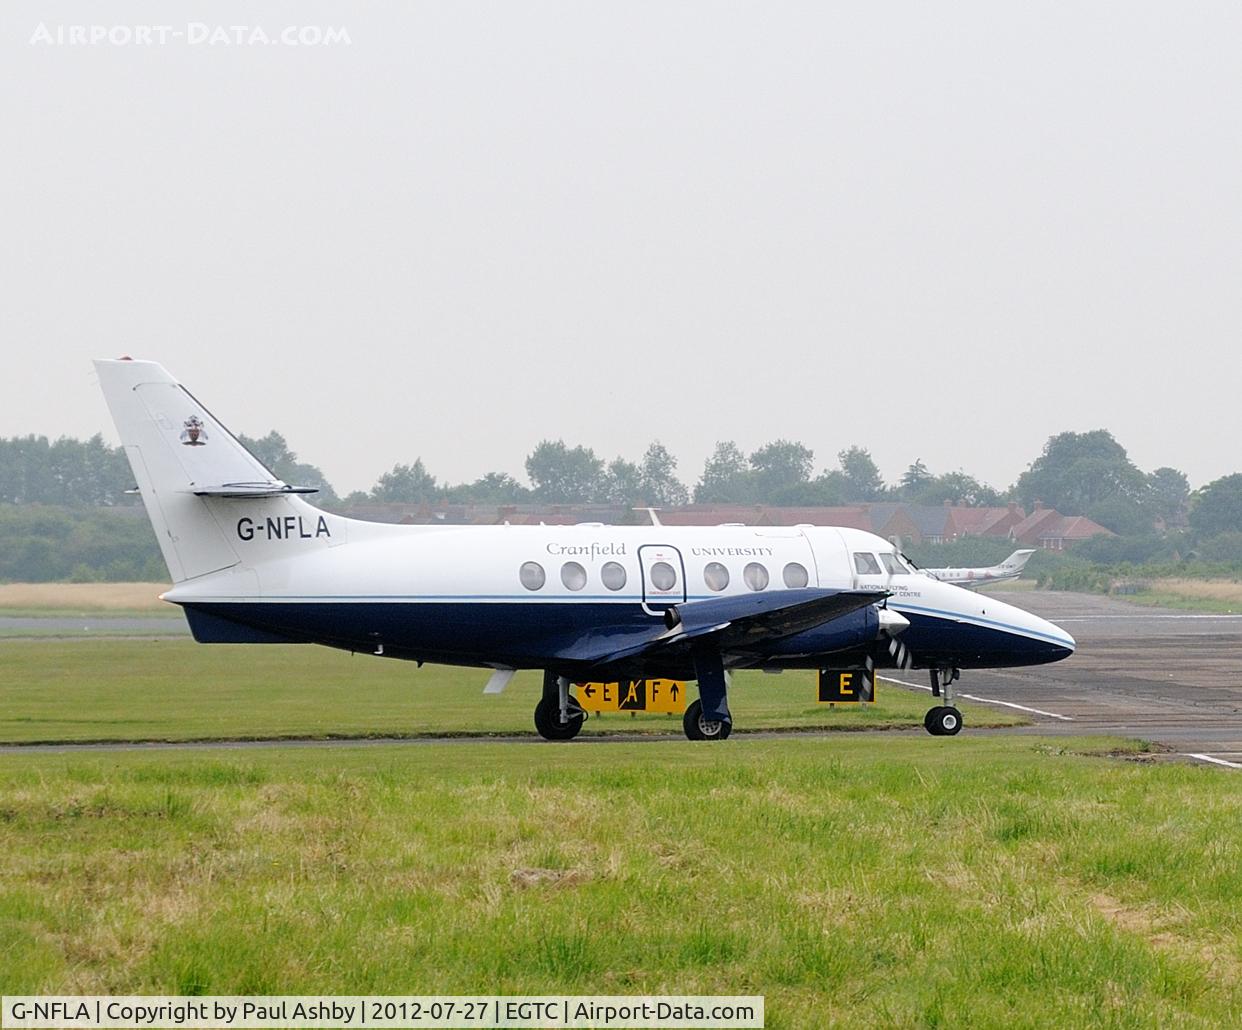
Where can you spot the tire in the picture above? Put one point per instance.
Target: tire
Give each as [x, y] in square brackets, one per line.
[548, 720]
[698, 728]
[927, 721]
[945, 722]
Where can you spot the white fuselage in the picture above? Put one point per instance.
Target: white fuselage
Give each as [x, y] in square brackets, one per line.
[290, 555]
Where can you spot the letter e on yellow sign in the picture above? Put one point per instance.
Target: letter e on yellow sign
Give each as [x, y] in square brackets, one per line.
[846, 686]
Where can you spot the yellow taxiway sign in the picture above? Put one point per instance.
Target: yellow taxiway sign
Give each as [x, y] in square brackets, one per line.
[846, 686]
[668, 696]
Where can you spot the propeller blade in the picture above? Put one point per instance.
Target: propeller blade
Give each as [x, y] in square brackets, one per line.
[901, 654]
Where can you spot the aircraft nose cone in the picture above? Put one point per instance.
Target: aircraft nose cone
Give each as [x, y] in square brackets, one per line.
[1065, 645]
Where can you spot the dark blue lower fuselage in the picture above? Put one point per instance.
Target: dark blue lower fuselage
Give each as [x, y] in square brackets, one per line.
[559, 636]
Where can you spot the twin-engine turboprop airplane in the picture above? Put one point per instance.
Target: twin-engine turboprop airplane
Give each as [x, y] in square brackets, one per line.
[1010, 568]
[252, 562]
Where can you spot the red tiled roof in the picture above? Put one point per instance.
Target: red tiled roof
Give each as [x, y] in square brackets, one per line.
[711, 514]
[1028, 528]
[855, 516]
[1073, 527]
[979, 521]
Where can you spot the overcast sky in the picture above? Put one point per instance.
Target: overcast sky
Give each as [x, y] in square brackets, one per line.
[940, 231]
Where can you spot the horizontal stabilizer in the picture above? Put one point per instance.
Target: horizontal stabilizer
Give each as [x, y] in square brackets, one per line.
[251, 490]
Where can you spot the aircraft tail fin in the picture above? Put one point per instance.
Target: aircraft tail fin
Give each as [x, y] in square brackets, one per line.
[180, 455]
[1016, 562]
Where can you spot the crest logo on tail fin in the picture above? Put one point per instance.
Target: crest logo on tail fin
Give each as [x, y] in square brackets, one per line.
[195, 433]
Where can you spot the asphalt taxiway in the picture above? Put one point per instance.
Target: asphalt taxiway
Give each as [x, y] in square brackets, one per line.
[1170, 677]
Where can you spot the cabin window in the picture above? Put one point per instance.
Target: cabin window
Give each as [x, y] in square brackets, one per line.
[866, 564]
[894, 565]
[531, 575]
[715, 575]
[573, 575]
[613, 575]
[756, 576]
[795, 575]
[663, 577]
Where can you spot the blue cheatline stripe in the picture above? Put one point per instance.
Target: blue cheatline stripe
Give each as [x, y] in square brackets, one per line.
[414, 598]
[979, 620]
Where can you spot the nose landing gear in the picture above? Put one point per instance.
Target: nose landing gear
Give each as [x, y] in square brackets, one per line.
[943, 720]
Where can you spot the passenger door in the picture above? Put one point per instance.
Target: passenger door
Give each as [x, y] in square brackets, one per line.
[664, 577]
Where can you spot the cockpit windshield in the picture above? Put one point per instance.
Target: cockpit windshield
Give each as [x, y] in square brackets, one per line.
[866, 564]
[894, 566]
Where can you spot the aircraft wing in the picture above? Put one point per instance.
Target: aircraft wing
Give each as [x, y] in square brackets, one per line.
[727, 624]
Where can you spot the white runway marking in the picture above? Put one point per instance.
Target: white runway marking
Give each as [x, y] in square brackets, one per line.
[1097, 618]
[987, 700]
[1214, 761]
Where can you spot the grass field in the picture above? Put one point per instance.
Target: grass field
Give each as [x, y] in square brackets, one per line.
[85, 598]
[856, 879]
[178, 690]
[1215, 595]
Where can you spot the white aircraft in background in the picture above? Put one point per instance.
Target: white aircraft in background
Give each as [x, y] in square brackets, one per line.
[1010, 568]
[252, 562]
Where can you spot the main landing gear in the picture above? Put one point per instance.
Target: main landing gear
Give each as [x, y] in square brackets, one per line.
[699, 727]
[943, 720]
[558, 716]
[708, 718]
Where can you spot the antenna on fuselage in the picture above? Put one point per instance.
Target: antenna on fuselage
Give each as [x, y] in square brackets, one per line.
[655, 519]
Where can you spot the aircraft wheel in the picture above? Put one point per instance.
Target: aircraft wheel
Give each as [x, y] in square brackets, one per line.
[943, 721]
[698, 728]
[548, 720]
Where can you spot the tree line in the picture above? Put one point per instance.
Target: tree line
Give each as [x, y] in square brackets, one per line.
[1077, 473]
[781, 472]
[89, 473]
[54, 497]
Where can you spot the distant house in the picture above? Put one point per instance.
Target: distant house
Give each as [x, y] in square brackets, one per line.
[1049, 530]
[855, 516]
[965, 521]
[897, 522]
[933, 522]
[714, 515]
